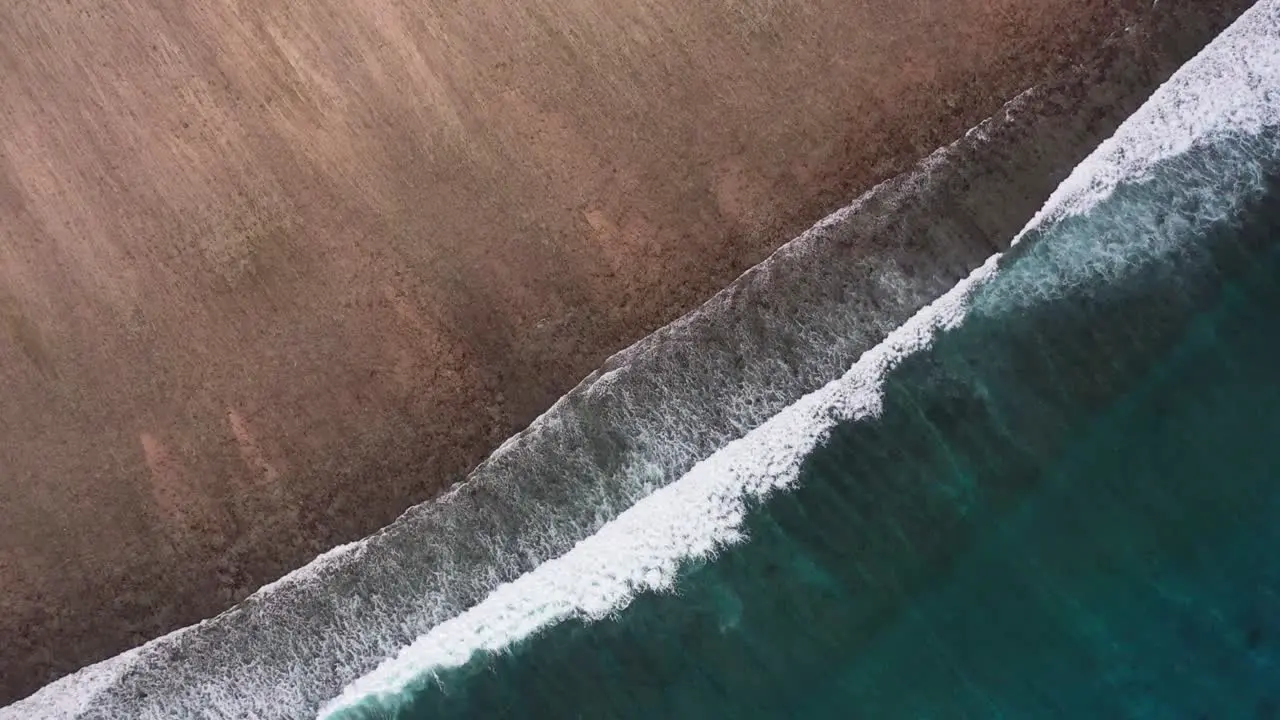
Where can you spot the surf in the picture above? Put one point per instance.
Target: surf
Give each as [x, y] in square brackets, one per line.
[1133, 223]
[655, 410]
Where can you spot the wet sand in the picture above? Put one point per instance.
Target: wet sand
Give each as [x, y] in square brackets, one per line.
[271, 274]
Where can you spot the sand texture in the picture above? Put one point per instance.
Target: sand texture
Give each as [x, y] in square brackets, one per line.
[271, 272]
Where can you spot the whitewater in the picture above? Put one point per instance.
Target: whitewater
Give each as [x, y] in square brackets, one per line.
[595, 473]
[1231, 88]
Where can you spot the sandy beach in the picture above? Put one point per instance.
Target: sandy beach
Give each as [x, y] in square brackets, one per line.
[271, 273]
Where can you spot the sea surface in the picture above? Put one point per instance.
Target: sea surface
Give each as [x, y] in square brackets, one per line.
[1052, 490]
[1055, 493]
[1067, 506]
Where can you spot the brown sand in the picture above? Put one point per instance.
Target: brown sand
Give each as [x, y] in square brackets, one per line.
[270, 272]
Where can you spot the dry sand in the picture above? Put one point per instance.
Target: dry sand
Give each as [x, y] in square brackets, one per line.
[270, 272]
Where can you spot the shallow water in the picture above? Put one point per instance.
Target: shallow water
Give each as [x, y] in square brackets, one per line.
[783, 329]
[1001, 516]
[1067, 507]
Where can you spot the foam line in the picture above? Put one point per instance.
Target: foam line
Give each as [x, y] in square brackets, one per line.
[691, 519]
[1230, 86]
[1233, 86]
[651, 412]
[782, 330]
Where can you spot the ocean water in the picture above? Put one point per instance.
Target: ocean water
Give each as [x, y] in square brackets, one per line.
[785, 328]
[1045, 493]
[1068, 506]
[1052, 493]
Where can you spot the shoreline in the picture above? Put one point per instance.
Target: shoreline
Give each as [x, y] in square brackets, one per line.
[213, 524]
[962, 178]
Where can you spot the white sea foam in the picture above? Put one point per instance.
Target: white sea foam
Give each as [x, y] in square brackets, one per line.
[222, 671]
[89, 682]
[297, 641]
[1231, 86]
[644, 547]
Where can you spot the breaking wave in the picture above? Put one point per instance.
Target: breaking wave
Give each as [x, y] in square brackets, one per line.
[659, 461]
[958, 418]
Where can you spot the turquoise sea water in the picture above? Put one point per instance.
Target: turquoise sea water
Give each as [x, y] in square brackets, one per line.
[1069, 507]
[1055, 497]
[1049, 494]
